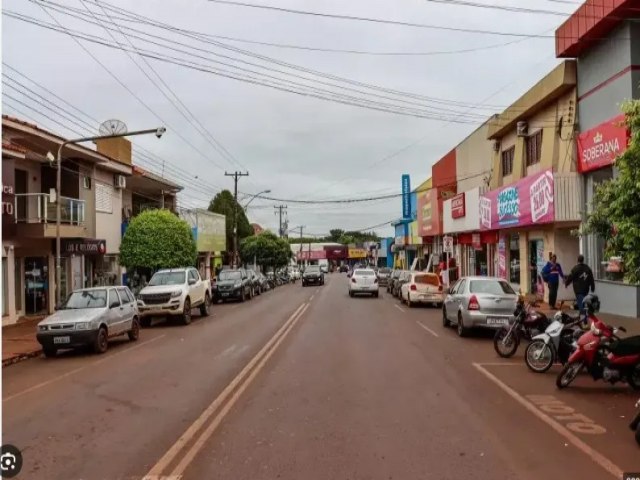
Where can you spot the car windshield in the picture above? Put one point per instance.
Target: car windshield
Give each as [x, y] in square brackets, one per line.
[491, 287]
[167, 278]
[230, 275]
[312, 269]
[384, 270]
[364, 273]
[86, 299]
[429, 279]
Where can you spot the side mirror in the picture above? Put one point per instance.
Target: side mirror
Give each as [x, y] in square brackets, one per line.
[192, 281]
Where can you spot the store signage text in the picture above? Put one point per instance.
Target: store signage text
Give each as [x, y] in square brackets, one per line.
[458, 206]
[600, 146]
[7, 205]
[406, 196]
[84, 246]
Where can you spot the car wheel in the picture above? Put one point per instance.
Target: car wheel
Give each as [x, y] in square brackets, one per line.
[50, 352]
[134, 333]
[445, 321]
[350, 293]
[410, 304]
[186, 312]
[101, 342]
[462, 330]
[376, 294]
[145, 321]
[204, 308]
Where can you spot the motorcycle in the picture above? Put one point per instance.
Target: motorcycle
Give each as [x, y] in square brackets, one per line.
[527, 323]
[556, 344]
[605, 356]
[635, 424]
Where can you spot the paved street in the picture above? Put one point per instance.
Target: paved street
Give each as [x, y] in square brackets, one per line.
[336, 388]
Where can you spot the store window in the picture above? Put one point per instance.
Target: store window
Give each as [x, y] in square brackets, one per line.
[514, 258]
[534, 148]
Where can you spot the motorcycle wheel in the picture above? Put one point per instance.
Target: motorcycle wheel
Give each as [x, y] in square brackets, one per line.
[506, 347]
[539, 356]
[634, 378]
[568, 374]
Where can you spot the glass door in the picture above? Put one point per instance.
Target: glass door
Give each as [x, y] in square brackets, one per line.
[36, 284]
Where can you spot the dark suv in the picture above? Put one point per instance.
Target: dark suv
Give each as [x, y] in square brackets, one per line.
[312, 275]
[233, 285]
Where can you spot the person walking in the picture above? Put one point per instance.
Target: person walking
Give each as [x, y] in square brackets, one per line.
[552, 273]
[581, 277]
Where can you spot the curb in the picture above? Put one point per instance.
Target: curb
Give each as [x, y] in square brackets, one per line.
[20, 358]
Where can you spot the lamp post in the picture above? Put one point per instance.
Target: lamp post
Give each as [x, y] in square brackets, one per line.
[254, 197]
[158, 132]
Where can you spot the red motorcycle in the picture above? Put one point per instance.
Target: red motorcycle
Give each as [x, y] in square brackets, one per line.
[605, 356]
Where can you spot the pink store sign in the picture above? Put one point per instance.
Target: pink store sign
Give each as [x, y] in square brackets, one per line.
[528, 201]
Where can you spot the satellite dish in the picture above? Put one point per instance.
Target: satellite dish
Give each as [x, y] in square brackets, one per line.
[112, 127]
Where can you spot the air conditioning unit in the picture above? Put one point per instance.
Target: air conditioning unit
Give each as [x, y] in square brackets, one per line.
[496, 145]
[120, 181]
[522, 129]
[86, 183]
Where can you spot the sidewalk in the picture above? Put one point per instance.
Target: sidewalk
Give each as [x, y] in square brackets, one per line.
[19, 341]
[631, 324]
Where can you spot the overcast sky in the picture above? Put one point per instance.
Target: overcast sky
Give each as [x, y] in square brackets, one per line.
[297, 146]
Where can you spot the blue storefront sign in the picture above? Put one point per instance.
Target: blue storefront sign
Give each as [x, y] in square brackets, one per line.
[406, 196]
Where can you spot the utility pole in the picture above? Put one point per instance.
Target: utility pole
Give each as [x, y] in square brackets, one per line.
[236, 176]
[281, 209]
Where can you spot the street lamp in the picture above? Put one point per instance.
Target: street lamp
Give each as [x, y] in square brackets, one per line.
[254, 197]
[158, 132]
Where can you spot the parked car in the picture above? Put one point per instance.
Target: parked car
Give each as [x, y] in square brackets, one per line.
[405, 276]
[312, 275]
[174, 292]
[90, 317]
[364, 280]
[344, 268]
[422, 287]
[393, 276]
[383, 276]
[483, 302]
[324, 268]
[232, 285]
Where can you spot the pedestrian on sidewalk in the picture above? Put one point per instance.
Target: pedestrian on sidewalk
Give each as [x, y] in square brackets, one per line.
[581, 277]
[552, 273]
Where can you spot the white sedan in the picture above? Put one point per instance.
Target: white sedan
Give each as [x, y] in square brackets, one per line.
[363, 280]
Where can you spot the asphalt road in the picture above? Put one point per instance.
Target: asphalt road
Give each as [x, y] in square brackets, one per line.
[307, 383]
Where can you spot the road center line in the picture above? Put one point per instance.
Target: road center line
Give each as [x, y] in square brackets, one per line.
[76, 370]
[594, 455]
[193, 429]
[311, 297]
[197, 446]
[427, 329]
[399, 308]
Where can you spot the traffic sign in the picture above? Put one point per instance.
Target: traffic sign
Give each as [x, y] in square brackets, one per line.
[447, 243]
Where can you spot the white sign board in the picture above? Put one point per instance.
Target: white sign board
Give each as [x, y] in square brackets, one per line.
[447, 244]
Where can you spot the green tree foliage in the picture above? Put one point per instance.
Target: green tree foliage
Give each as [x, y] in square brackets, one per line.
[223, 204]
[158, 239]
[267, 249]
[335, 234]
[615, 214]
[338, 235]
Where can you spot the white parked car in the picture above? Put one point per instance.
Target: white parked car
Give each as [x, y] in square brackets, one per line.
[90, 317]
[174, 292]
[363, 280]
[422, 287]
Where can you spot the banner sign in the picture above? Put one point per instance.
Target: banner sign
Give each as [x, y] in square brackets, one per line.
[529, 201]
[447, 244]
[476, 241]
[406, 196]
[357, 253]
[599, 146]
[502, 257]
[8, 198]
[83, 246]
[458, 206]
[311, 255]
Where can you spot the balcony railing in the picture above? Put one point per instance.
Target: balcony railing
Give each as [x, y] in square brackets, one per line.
[36, 208]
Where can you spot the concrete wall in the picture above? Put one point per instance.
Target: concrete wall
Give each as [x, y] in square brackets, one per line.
[618, 298]
[474, 157]
[471, 220]
[108, 224]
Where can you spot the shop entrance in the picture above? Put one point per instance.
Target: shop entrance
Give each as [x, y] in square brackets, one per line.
[36, 283]
[536, 264]
[481, 261]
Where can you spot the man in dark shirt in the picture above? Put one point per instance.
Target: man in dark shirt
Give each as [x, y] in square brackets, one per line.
[582, 278]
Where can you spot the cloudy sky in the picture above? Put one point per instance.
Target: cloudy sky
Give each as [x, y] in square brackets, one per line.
[298, 146]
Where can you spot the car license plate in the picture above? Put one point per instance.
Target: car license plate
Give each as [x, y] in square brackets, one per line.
[224, 294]
[61, 339]
[497, 321]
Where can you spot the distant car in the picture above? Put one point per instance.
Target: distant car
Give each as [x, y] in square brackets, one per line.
[422, 287]
[344, 268]
[312, 275]
[383, 276]
[90, 317]
[174, 292]
[324, 268]
[484, 302]
[364, 280]
[393, 276]
[232, 285]
[404, 277]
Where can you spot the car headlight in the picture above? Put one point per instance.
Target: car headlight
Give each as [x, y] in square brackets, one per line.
[176, 293]
[83, 326]
[237, 284]
[43, 328]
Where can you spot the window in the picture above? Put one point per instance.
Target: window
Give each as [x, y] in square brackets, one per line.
[507, 161]
[430, 279]
[461, 287]
[167, 278]
[113, 297]
[124, 298]
[104, 198]
[533, 145]
[491, 287]
[193, 274]
[130, 295]
[87, 299]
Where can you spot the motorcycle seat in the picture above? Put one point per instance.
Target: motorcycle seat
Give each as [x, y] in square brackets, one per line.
[627, 346]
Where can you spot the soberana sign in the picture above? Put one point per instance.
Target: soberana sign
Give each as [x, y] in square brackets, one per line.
[601, 145]
[527, 202]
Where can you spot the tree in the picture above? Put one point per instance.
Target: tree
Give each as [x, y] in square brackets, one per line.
[615, 214]
[158, 239]
[335, 234]
[223, 203]
[266, 249]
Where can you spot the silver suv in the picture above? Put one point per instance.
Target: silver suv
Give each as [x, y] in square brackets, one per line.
[174, 292]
